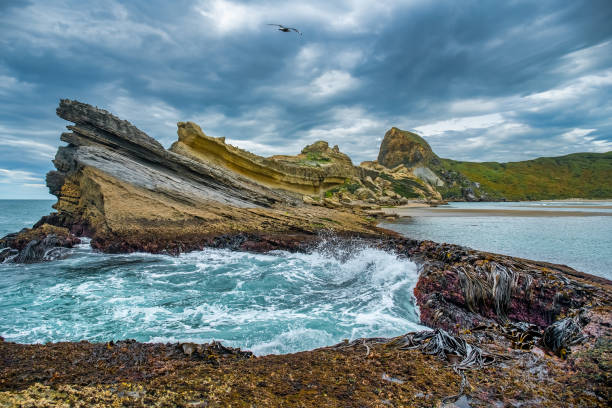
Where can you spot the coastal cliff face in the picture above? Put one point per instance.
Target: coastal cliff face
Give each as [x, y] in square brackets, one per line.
[317, 169]
[119, 186]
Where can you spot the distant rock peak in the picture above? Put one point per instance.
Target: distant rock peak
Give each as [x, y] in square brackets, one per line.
[404, 147]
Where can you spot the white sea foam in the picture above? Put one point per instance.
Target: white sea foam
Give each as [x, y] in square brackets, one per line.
[269, 303]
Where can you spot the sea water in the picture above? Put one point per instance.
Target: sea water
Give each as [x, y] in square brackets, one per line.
[581, 242]
[268, 303]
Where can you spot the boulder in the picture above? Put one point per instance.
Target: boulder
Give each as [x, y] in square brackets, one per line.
[309, 200]
[369, 183]
[49, 248]
[331, 203]
[382, 183]
[364, 193]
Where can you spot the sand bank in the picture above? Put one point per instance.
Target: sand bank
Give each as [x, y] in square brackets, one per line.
[473, 212]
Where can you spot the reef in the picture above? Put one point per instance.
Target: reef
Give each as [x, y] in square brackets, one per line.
[507, 331]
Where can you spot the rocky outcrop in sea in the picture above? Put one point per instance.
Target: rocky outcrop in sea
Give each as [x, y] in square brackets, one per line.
[508, 331]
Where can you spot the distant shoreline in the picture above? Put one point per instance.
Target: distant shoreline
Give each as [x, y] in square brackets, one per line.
[425, 210]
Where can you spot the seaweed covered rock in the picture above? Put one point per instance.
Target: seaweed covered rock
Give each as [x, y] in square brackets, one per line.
[460, 288]
[562, 334]
[43, 243]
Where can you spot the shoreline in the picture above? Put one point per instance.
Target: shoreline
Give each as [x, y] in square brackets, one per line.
[362, 371]
[500, 323]
[458, 212]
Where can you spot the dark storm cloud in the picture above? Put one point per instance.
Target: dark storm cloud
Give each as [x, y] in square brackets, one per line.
[480, 80]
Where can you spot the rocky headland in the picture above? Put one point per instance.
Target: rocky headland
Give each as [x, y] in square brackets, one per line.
[508, 331]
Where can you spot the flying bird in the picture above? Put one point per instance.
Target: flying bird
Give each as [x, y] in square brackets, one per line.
[286, 29]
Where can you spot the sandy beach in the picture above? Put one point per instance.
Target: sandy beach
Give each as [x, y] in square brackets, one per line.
[421, 211]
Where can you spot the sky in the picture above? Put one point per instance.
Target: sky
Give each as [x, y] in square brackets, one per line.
[479, 80]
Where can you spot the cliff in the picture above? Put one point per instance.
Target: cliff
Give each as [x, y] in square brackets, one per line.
[317, 169]
[583, 175]
[119, 186]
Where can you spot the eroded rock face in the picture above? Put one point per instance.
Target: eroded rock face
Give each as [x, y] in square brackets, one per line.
[317, 169]
[403, 147]
[120, 187]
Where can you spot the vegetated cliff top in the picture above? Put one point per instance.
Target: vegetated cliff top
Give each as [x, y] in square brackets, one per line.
[584, 175]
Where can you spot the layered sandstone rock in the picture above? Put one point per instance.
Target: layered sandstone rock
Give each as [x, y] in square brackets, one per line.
[121, 187]
[318, 172]
[317, 169]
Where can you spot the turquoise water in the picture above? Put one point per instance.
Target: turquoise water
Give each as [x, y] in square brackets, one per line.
[584, 243]
[273, 303]
[18, 214]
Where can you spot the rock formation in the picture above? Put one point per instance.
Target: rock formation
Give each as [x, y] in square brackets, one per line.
[519, 332]
[403, 147]
[317, 169]
[583, 175]
[119, 186]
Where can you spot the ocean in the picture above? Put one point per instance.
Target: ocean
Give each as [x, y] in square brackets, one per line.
[268, 303]
[273, 303]
[562, 232]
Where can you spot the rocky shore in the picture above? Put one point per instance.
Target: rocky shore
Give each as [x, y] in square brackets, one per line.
[533, 334]
[508, 331]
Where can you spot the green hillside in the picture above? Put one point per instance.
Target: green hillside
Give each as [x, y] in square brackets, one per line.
[584, 175]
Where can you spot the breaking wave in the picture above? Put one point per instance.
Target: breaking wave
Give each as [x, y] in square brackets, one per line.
[278, 302]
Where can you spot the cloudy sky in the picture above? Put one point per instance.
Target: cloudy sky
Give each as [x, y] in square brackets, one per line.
[480, 80]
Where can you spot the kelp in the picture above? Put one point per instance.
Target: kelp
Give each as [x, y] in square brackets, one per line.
[524, 336]
[562, 334]
[365, 342]
[211, 352]
[442, 344]
[454, 349]
[493, 283]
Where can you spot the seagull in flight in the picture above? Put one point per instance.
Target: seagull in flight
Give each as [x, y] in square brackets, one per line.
[286, 29]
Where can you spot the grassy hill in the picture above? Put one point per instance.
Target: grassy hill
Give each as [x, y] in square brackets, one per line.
[584, 175]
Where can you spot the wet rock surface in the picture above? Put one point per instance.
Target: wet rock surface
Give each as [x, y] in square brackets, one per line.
[44, 243]
[365, 372]
[509, 332]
